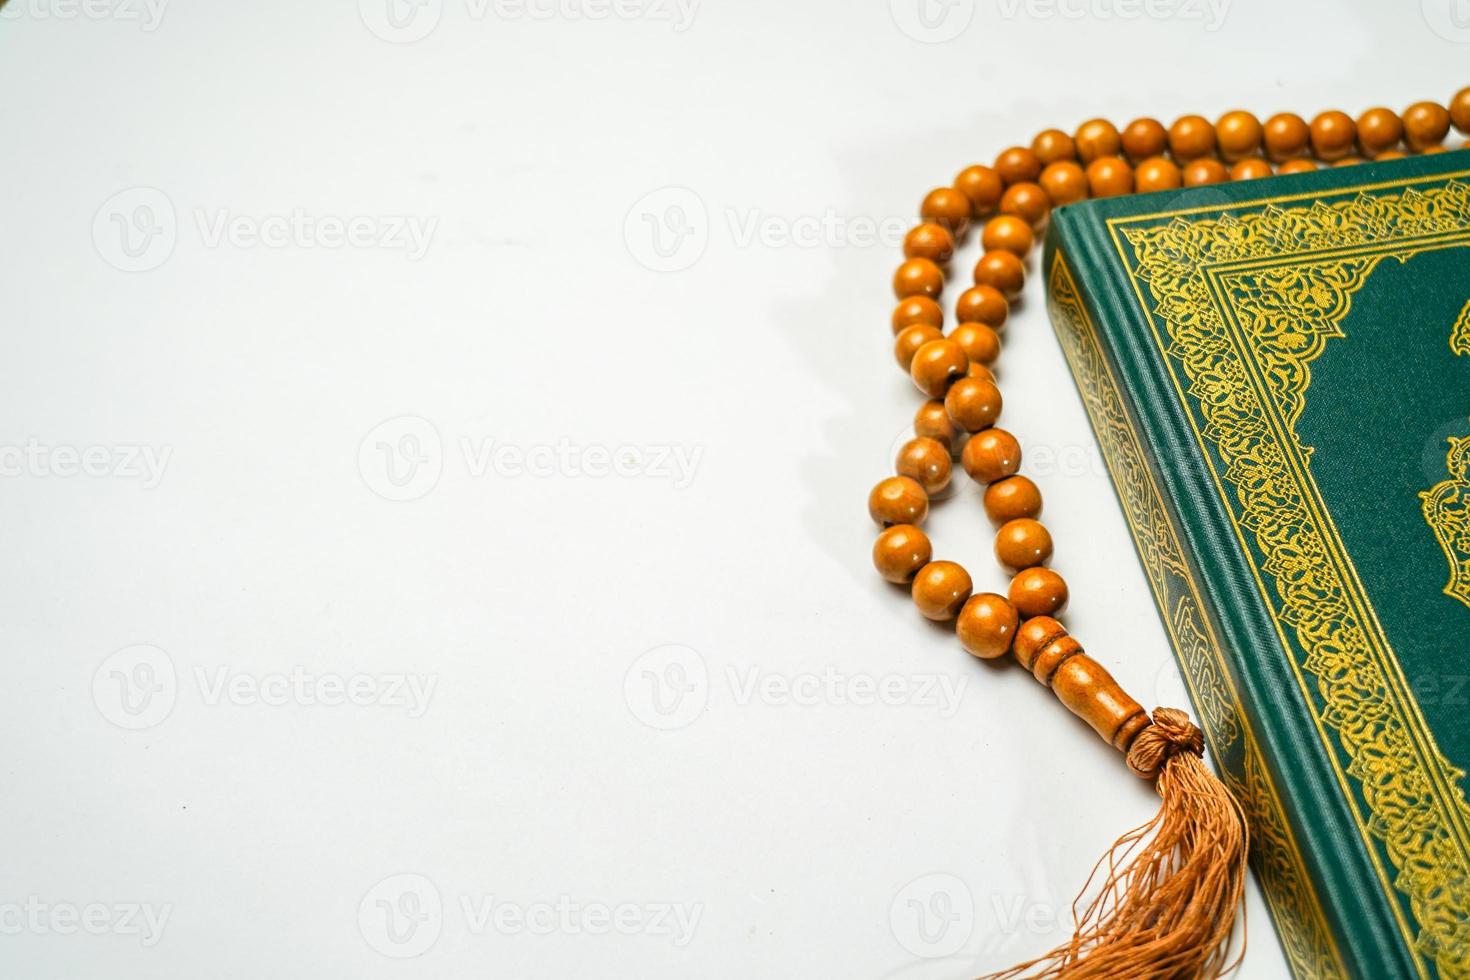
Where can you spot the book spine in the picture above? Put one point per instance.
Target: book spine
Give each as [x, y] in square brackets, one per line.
[1261, 736]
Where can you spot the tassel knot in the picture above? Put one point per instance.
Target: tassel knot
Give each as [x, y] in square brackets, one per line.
[1171, 733]
[1170, 890]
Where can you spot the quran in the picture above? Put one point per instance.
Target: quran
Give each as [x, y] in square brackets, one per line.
[1278, 372]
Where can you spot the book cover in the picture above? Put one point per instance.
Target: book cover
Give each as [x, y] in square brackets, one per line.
[1278, 372]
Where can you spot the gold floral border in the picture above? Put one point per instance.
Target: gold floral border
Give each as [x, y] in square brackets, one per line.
[1282, 279]
[1445, 507]
[1294, 905]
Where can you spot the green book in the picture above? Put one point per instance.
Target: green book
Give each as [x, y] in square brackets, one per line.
[1278, 372]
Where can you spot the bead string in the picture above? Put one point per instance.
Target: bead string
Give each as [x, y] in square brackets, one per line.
[1014, 197]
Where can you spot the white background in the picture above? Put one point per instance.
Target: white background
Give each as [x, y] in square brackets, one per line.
[804, 833]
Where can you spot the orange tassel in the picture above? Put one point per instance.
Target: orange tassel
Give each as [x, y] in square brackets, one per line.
[1167, 905]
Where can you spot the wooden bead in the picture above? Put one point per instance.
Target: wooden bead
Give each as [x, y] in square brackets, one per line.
[1043, 646]
[1007, 233]
[1348, 161]
[929, 241]
[978, 370]
[1012, 498]
[1425, 125]
[937, 365]
[1205, 170]
[931, 421]
[980, 342]
[1191, 137]
[1038, 592]
[1097, 138]
[925, 461]
[1250, 168]
[948, 207]
[1286, 136]
[917, 309]
[986, 625]
[1064, 181]
[991, 455]
[1022, 543]
[1017, 164]
[1391, 155]
[1051, 145]
[1002, 271]
[918, 277]
[1300, 165]
[1033, 636]
[1460, 110]
[1090, 693]
[1145, 138]
[900, 552]
[1238, 134]
[982, 304]
[1157, 174]
[1378, 130]
[973, 404]
[1333, 135]
[910, 339]
[982, 186]
[1026, 201]
[940, 590]
[1109, 177]
[898, 500]
[1050, 657]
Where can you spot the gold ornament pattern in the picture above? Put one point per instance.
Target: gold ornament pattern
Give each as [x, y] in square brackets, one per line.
[1460, 332]
[1274, 853]
[1447, 505]
[1248, 300]
[1447, 512]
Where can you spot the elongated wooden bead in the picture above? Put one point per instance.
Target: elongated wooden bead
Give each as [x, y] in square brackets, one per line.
[1043, 646]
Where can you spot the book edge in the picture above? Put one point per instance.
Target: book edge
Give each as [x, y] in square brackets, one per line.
[1319, 941]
